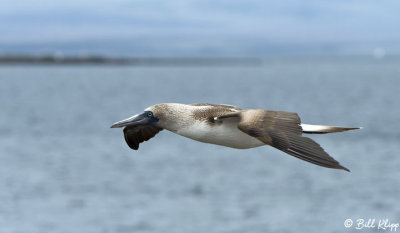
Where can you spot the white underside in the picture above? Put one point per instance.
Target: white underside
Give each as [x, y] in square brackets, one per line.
[225, 134]
[314, 128]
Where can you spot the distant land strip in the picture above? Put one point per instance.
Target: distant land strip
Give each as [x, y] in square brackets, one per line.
[78, 60]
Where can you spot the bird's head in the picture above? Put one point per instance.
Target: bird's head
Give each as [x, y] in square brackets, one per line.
[168, 116]
[145, 118]
[157, 115]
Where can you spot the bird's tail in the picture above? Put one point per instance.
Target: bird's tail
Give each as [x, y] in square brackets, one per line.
[321, 129]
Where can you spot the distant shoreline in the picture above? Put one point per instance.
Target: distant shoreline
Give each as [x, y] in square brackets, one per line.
[77, 60]
[178, 61]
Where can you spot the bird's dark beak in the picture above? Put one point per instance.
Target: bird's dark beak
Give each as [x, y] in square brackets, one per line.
[140, 119]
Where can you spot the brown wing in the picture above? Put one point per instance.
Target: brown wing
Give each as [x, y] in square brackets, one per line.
[213, 111]
[282, 130]
[134, 135]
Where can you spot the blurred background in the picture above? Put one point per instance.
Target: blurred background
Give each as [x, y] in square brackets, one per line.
[174, 28]
[68, 70]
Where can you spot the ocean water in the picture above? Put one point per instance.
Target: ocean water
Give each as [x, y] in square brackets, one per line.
[62, 169]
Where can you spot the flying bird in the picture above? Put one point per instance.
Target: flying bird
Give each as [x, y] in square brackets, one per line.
[230, 126]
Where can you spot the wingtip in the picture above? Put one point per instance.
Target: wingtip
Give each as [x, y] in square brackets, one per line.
[344, 168]
[353, 128]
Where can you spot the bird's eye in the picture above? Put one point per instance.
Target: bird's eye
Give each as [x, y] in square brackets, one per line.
[150, 114]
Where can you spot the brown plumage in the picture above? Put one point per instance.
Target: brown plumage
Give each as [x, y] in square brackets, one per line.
[282, 130]
[216, 110]
[231, 126]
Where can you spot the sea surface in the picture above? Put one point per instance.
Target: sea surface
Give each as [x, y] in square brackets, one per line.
[63, 170]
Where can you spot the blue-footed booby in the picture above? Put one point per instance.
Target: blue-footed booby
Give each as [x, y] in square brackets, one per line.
[230, 126]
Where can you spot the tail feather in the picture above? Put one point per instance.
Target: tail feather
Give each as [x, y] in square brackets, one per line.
[321, 129]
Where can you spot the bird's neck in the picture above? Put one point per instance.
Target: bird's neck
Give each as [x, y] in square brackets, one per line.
[176, 117]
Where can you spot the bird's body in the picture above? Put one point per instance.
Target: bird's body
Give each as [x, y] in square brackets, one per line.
[230, 126]
[223, 134]
[198, 122]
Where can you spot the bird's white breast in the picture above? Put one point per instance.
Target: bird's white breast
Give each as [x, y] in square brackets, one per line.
[224, 134]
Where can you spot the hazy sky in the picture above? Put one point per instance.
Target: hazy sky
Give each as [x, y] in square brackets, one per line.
[239, 27]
